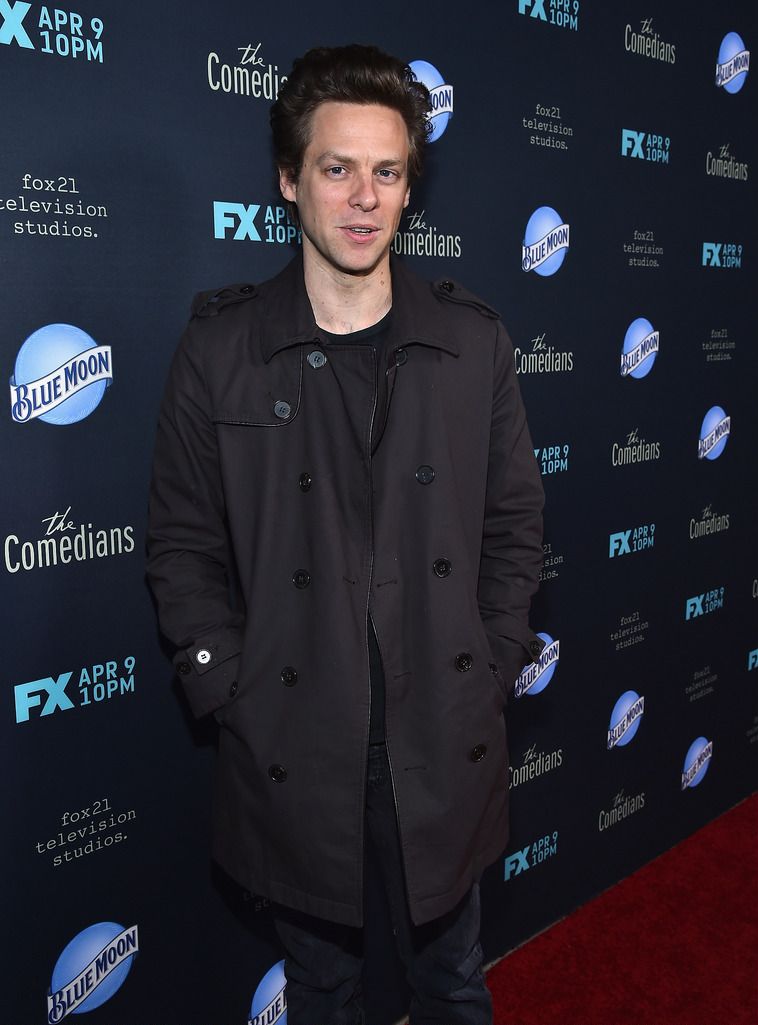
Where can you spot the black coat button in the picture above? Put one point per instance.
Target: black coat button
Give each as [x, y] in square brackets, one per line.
[425, 474]
[401, 357]
[478, 752]
[289, 676]
[442, 567]
[246, 289]
[447, 286]
[463, 662]
[536, 648]
[493, 669]
[233, 689]
[301, 578]
[282, 409]
[316, 359]
[278, 773]
[183, 668]
[305, 481]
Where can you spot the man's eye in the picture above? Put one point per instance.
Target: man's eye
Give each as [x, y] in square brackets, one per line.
[386, 172]
[336, 172]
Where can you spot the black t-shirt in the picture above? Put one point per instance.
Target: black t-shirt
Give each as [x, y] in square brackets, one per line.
[375, 335]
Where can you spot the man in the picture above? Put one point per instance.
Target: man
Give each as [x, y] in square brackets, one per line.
[345, 536]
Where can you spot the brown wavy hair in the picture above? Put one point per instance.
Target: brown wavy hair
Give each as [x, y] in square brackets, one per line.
[347, 74]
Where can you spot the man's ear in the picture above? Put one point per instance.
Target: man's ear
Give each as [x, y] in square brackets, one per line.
[288, 184]
[407, 197]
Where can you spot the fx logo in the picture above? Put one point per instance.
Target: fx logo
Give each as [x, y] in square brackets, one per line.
[619, 544]
[13, 30]
[517, 863]
[752, 659]
[537, 8]
[28, 695]
[694, 607]
[632, 141]
[227, 215]
[712, 254]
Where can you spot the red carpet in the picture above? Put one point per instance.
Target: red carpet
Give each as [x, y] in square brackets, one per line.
[674, 944]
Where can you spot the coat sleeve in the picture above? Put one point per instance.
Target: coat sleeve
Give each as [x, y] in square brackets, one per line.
[188, 548]
[512, 536]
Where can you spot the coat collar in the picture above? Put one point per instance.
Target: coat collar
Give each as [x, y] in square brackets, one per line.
[418, 316]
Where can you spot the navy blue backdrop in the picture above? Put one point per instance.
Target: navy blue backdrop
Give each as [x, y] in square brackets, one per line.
[590, 178]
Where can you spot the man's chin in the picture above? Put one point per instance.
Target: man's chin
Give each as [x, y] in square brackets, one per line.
[356, 263]
[363, 265]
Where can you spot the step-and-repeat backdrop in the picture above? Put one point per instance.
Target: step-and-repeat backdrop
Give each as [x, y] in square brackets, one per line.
[591, 176]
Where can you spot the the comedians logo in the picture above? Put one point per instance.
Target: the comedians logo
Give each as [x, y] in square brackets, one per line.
[534, 763]
[714, 433]
[441, 93]
[703, 604]
[538, 675]
[561, 13]
[542, 358]
[732, 63]
[625, 719]
[625, 542]
[57, 30]
[269, 1006]
[723, 165]
[634, 450]
[546, 242]
[64, 541]
[752, 659]
[420, 237]
[647, 43]
[696, 762]
[91, 969]
[251, 75]
[94, 684]
[622, 807]
[60, 375]
[725, 255]
[645, 146]
[251, 222]
[707, 523]
[533, 854]
[640, 349]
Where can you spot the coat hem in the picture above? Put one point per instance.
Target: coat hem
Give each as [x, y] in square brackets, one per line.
[279, 893]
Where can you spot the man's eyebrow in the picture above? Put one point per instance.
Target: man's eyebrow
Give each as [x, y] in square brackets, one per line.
[339, 158]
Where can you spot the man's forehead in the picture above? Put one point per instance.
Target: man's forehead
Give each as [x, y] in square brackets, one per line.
[340, 114]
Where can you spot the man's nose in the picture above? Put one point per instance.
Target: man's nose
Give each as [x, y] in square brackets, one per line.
[364, 194]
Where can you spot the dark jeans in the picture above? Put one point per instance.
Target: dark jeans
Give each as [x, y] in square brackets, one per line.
[442, 959]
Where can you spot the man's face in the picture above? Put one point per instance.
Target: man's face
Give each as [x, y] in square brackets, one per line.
[353, 186]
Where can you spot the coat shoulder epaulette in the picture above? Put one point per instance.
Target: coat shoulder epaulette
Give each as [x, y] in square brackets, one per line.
[452, 292]
[210, 304]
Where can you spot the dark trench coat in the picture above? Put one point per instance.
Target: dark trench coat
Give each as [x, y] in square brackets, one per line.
[265, 486]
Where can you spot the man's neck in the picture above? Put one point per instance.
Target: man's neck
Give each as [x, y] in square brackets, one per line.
[344, 302]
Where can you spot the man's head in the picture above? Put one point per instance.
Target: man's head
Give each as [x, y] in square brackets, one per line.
[347, 74]
[350, 126]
